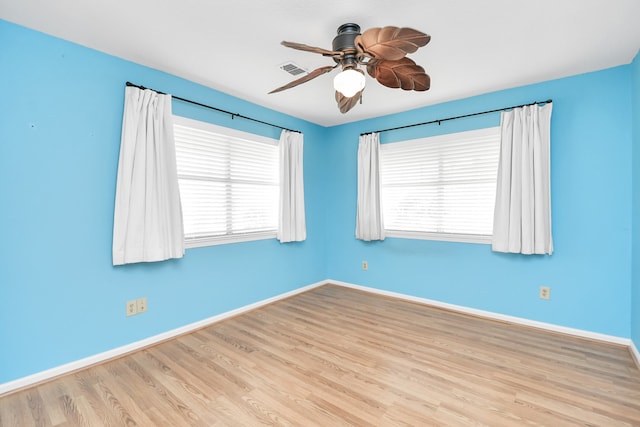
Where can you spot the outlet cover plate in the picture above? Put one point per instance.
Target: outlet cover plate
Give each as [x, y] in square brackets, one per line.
[545, 292]
[141, 304]
[131, 307]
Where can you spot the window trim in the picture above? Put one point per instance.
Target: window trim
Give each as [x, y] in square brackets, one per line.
[484, 239]
[203, 241]
[200, 242]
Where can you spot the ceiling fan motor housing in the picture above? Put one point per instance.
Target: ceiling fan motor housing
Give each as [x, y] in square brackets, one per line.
[345, 40]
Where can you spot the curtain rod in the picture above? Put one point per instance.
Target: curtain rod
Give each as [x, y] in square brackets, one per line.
[458, 117]
[233, 115]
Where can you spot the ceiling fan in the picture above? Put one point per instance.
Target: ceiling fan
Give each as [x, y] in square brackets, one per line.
[381, 50]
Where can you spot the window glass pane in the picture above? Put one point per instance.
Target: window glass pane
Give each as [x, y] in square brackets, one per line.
[255, 207]
[402, 205]
[229, 182]
[203, 207]
[443, 184]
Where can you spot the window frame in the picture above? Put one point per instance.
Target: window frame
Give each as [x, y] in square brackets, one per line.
[203, 241]
[443, 236]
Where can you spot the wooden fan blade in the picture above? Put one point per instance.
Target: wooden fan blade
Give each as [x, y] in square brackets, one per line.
[403, 73]
[306, 48]
[345, 104]
[391, 43]
[312, 75]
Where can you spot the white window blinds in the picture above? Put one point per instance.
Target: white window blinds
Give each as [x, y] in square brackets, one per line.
[229, 183]
[442, 187]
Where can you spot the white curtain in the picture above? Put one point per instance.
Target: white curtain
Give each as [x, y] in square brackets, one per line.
[369, 221]
[291, 223]
[147, 222]
[522, 217]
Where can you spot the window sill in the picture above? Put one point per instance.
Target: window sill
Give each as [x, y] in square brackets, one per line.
[199, 242]
[444, 237]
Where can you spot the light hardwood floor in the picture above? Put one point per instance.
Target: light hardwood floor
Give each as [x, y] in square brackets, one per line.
[336, 356]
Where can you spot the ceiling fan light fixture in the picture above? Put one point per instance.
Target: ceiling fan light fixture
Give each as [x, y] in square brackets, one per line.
[349, 82]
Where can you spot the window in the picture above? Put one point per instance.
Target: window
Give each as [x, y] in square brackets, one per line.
[441, 188]
[229, 183]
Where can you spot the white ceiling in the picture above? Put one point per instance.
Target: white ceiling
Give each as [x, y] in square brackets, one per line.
[477, 46]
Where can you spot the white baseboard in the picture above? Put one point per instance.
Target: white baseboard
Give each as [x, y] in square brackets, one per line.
[120, 351]
[634, 352]
[491, 315]
[39, 377]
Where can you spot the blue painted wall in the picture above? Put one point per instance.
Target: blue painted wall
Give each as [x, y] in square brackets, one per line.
[61, 300]
[635, 297]
[60, 297]
[589, 272]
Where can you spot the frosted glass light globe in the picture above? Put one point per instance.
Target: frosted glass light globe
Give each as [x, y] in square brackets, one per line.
[349, 82]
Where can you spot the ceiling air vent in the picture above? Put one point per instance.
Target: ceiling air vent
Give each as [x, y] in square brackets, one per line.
[293, 69]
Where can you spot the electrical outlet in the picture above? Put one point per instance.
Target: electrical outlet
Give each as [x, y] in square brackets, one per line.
[365, 265]
[137, 306]
[132, 308]
[545, 292]
[141, 304]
